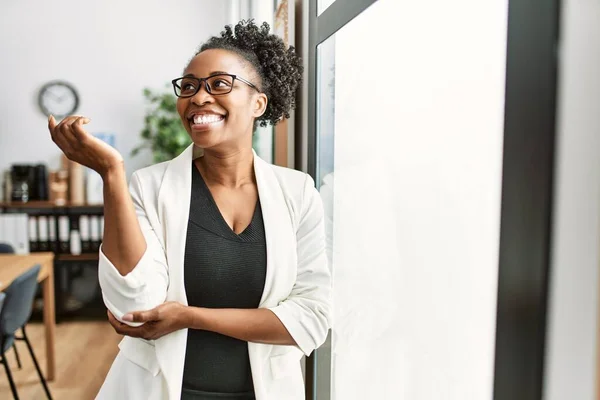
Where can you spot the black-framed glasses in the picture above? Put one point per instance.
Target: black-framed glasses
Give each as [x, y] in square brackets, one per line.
[218, 84]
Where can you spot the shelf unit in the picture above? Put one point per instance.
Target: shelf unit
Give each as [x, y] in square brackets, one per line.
[79, 257]
[76, 276]
[44, 206]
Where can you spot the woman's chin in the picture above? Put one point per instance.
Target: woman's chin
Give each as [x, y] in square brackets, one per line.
[206, 140]
[205, 137]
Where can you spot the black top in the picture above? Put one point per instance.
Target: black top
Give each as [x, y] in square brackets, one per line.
[221, 270]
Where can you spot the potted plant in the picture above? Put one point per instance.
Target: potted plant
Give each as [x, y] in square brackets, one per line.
[163, 132]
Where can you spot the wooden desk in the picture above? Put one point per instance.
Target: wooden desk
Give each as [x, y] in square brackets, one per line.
[11, 266]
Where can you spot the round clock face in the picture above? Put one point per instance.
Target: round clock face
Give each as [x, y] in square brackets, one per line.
[58, 98]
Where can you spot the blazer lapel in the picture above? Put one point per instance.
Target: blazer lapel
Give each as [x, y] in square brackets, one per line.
[279, 234]
[281, 260]
[173, 209]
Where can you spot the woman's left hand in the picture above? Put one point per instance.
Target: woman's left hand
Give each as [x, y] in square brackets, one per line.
[158, 322]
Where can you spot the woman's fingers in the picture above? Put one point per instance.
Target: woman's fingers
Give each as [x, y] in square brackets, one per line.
[142, 316]
[67, 133]
[146, 331]
[57, 137]
[65, 125]
[51, 123]
[77, 127]
[64, 134]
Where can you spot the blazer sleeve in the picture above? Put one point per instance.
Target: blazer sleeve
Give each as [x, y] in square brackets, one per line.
[145, 287]
[306, 313]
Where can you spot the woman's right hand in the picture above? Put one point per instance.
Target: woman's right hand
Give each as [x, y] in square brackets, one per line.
[83, 148]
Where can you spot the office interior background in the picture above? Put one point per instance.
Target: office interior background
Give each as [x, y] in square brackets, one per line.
[455, 146]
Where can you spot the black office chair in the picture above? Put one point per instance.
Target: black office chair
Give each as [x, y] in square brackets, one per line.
[6, 248]
[14, 315]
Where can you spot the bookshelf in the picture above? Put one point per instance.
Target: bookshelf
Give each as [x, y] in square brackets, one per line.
[78, 257]
[76, 276]
[47, 206]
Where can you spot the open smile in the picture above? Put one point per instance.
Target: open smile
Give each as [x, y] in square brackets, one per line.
[204, 121]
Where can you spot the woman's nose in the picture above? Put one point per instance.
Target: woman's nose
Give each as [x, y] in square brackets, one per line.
[202, 96]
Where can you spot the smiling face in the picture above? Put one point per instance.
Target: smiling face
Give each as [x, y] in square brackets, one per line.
[221, 121]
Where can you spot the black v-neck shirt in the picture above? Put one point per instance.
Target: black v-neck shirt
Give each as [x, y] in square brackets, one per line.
[222, 269]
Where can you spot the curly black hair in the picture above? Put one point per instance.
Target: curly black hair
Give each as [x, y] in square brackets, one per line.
[278, 68]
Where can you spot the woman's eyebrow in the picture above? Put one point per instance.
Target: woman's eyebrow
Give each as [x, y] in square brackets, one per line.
[211, 74]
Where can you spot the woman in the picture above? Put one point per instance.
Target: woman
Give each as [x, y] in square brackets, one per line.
[213, 264]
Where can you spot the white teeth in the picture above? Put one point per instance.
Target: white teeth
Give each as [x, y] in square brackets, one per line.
[207, 118]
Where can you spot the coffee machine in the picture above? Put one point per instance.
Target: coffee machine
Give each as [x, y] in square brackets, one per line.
[29, 182]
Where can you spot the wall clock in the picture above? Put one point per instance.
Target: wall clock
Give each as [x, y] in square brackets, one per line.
[58, 98]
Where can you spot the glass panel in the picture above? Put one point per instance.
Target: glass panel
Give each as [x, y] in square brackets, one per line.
[262, 142]
[325, 108]
[323, 5]
[409, 151]
[325, 161]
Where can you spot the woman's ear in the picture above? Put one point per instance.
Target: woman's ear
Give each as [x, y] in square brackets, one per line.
[260, 104]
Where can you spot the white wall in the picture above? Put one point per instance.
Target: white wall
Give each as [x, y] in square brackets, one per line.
[415, 199]
[573, 302]
[110, 50]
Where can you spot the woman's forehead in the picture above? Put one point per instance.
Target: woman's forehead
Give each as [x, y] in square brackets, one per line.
[216, 60]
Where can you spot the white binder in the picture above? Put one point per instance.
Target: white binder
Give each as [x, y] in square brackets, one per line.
[14, 230]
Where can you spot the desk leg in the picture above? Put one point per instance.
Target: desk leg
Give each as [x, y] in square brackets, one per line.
[50, 324]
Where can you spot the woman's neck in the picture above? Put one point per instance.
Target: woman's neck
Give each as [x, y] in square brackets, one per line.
[231, 169]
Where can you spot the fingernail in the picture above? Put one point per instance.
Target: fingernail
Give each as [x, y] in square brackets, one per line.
[127, 317]
[49, 117]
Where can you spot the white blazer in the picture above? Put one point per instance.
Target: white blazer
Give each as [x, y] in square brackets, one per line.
[297, 287]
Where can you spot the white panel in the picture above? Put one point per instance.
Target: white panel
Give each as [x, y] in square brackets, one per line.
[414, 198]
